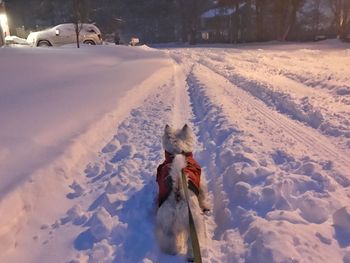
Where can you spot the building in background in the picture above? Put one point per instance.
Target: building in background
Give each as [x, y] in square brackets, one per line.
[4, 28]
[227, 24]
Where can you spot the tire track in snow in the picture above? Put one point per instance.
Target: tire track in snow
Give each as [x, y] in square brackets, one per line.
[244, 185]
[183, 113]
[212, 131]
[317, 143]
[328, 75]
[263, 90]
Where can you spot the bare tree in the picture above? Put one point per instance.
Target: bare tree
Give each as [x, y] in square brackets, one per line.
[235, 19]
[79, 16]
[295, 5]
[188, 12]
[316, 16]
[286, 16]
[260, 7]
[341, 11]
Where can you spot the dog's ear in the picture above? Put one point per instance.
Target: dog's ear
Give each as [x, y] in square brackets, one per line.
[186, 131]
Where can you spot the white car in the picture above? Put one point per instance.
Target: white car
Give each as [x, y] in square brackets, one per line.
[134, 41]
[65, 34]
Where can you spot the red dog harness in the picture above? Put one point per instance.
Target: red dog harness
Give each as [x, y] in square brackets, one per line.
[192, 172]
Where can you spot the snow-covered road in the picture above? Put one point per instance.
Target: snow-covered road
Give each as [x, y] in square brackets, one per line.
[273, 138]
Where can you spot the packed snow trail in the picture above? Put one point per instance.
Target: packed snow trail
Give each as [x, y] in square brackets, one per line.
[315, 143]
[258, 73]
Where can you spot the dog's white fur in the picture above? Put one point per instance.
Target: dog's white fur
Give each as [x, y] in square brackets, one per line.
[178, 141]
[172, 222]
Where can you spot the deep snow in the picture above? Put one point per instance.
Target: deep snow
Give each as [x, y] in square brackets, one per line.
[42, 89]
[81, 141]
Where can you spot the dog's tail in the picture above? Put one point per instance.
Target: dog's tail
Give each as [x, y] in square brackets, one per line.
[178, 164]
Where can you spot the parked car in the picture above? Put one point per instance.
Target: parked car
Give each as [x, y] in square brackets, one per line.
[320, 37]
[65, 34]
[134, 41]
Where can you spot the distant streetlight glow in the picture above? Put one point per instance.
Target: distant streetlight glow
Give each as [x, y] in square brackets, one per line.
[4, 27]
[3, 21]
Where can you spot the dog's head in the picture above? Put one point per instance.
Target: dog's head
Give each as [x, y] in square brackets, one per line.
[178, 141]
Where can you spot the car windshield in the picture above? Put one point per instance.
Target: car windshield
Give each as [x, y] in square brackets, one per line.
[91, 30]
[65, 27]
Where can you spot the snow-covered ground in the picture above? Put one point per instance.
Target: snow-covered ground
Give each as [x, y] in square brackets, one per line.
[80, 142]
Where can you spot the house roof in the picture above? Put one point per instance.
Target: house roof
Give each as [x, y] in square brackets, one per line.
[220, 11]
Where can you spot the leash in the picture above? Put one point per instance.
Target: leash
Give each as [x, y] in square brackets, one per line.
[193, 232]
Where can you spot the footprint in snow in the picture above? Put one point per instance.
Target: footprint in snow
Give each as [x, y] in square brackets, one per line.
[124, 152]
[92, 170]
[111, 147]
[78, 191]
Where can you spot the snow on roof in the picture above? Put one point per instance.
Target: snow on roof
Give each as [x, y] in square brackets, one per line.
[220, 11]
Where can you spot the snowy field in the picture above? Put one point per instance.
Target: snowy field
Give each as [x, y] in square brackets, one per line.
[80, 141]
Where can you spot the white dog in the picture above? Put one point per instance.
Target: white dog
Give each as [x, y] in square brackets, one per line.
[172, 222]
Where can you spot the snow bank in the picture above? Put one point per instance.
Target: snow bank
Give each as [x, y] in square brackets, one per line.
[41, 111]
[55, 117]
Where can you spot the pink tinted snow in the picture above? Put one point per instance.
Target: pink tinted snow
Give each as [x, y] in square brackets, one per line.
[50, 96]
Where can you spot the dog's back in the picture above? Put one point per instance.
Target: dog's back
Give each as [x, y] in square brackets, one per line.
[175, 173]
[172, 226]
[172, 213]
